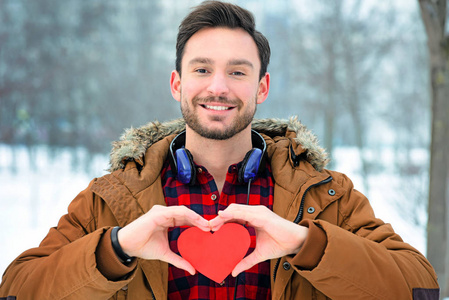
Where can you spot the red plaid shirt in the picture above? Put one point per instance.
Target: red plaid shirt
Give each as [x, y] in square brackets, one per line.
[204, 199]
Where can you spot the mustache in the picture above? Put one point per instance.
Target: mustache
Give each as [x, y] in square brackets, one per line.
[219, 99]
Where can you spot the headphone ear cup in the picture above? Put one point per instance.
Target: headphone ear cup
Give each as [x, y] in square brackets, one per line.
[186, 171]
[250, 165]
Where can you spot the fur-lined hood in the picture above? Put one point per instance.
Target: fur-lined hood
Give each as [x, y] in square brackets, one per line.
[135, 141]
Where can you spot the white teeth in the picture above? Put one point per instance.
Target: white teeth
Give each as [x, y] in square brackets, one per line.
[217, 107]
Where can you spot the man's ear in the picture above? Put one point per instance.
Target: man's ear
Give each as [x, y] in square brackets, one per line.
[175, 85]
[264, 87]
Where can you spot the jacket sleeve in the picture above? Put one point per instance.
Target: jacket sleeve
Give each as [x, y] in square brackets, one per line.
[363, 257]
[64, 265]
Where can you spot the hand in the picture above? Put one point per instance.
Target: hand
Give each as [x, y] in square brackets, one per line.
[147, 236]
[275, 236]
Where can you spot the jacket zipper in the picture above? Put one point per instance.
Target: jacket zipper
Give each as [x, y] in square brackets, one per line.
[300, 215]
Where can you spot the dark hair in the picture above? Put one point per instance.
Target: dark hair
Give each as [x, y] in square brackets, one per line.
[220, 14]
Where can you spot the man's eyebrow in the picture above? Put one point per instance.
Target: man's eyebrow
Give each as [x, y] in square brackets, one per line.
[201, 60]
[239, 62]
[232, 62]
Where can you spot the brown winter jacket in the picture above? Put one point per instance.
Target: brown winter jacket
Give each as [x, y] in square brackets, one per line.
[349, 254]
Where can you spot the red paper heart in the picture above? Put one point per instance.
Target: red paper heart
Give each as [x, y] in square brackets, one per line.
[214, 254]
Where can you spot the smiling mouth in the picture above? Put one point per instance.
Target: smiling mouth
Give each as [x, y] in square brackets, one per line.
[215, 107]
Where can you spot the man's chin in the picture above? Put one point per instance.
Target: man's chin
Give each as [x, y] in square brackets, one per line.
[216, 134]
[217, 129]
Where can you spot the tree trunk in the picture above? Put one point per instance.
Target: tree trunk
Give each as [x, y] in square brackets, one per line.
[330, 108]
[434, 16]
[355, 109]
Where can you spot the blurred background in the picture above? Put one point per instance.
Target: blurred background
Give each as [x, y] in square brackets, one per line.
[74, 74]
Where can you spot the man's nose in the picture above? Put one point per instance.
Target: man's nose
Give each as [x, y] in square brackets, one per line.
[218, 85]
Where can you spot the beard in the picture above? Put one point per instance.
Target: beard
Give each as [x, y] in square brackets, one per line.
[242, 122]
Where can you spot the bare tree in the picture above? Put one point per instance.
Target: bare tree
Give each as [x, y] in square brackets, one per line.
[409, 115]
[340, 57]
[434, 15]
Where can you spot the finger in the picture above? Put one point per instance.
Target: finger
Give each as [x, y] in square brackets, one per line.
[194, 219]
[181, 216]
[246, 263]
[202, 224]
[239, 214]
[216, 223]
[179, 262]
[226, 216]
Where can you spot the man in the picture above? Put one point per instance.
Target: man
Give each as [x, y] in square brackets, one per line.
[313, 235]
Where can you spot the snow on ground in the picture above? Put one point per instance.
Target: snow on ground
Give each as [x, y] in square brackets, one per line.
[32, 201]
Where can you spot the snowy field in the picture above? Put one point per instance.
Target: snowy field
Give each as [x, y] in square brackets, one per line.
[33, 199]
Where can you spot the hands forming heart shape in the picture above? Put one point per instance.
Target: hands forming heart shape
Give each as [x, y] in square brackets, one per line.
[213, 254]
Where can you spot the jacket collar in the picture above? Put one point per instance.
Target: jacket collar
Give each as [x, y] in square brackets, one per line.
[135, 141]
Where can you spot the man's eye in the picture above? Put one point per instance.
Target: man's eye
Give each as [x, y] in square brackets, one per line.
[201, 71]
[238, 73]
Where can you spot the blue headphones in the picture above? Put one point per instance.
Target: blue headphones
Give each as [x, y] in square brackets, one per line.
[183, 167]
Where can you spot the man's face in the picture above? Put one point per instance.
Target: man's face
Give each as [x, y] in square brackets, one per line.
[219, 86]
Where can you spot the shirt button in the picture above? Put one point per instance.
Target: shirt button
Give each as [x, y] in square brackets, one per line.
[222, 283]
[286, 266]
[200, 170]
[331, 192]
[213, 197]
[311, 210]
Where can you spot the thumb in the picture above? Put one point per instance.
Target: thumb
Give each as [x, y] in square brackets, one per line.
[179, 262]
[246, 263]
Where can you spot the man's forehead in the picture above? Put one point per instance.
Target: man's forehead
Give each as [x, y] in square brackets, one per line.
[213, 44]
